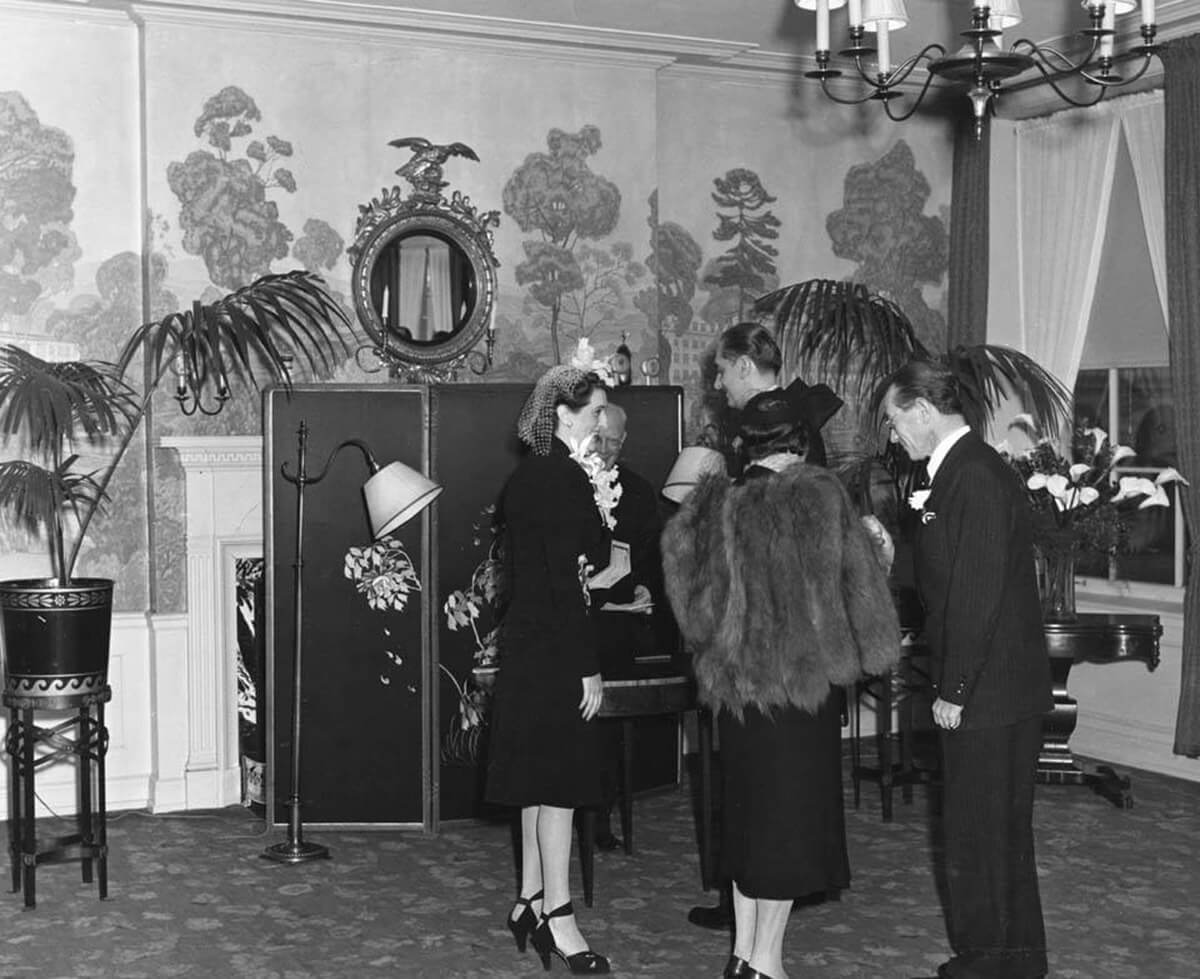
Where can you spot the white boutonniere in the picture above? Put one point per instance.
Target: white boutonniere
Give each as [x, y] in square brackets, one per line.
[917, 502]
[606, 491]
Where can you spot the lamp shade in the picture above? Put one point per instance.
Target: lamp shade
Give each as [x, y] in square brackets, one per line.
[692, 463]
[395, 495]
[1003, 14]
[891, 14]
[1120, 7]
[812, 4]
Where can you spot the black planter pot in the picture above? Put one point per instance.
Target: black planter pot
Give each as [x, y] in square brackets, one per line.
[56, 639]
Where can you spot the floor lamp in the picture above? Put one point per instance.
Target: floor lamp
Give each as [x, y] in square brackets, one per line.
[394, 495]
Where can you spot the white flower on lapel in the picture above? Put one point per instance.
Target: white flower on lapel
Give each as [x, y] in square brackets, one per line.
[918, 498]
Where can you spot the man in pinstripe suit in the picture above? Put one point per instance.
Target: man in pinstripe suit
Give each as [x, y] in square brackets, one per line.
[974, 566]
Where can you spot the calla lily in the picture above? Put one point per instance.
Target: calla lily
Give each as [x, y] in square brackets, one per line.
[1131, 486]
[1120, 452]
[1157, 498]
[1099, 436]
[1057, 486]
[1170, 475]
[1086, 496]
[1078, 471]
[1036, 481]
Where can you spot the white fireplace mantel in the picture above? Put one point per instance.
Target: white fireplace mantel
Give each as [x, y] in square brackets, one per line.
[198, 763]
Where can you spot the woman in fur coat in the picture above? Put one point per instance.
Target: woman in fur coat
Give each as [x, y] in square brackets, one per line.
[782, 598]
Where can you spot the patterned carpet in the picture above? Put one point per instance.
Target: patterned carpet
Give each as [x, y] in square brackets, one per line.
[191, 896]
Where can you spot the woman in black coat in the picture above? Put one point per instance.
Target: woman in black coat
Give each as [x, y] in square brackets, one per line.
[545, 751]
[782, 599]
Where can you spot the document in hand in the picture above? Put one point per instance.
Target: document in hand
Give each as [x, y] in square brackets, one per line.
[618, 567]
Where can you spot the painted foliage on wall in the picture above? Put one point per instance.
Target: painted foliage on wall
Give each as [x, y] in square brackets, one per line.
[38, 249]
[882, 226]
[747, 269]
[577, 284]
[39, 252]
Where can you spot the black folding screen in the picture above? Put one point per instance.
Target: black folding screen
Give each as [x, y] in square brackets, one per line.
[394, 709]
[365, 714]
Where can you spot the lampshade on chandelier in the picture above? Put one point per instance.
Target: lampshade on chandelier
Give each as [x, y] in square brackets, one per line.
[981, 64]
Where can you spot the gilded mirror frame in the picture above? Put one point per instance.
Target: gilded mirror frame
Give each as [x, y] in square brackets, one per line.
[426, 210]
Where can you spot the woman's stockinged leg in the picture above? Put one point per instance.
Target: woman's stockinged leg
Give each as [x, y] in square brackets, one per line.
[531, 861]
[770, 923]
[744, 924]
[554, 827]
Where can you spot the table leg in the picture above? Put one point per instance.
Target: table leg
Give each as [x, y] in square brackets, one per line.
[627, 736]
[704, 733]
[28, 827]
[1055, 763]
[83, 752]
[101, 800]
[13, 748]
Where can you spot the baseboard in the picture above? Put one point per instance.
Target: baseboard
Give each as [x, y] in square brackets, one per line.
[1146, 746]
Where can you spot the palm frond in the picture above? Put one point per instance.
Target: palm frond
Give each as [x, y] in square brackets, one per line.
[34, 497]
[268, 323]
[841, 331]
[51, 404]
[988, 373]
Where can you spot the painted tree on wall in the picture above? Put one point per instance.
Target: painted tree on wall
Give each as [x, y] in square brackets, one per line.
[882, 226]
[674, 262]
[606, 277]
[747, 270]
[225, 215]
[557, 195]
[37, 246]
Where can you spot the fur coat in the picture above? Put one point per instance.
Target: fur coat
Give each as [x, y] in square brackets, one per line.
[778, 590]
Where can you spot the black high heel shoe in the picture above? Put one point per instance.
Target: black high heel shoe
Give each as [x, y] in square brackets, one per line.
[736, 968]
[525, 924]
[585, 963]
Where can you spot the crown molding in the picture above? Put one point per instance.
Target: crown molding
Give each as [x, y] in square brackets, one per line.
[380, 22]
[78, 11]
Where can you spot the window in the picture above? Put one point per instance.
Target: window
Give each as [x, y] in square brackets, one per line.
[1134, 405]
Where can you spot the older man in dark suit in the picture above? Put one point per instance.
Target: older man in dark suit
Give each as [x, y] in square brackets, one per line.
[974, 567]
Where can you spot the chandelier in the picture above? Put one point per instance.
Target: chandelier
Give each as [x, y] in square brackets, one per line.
[981, 64]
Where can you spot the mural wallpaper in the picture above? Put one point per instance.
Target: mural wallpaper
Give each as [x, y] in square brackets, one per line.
[248, 197]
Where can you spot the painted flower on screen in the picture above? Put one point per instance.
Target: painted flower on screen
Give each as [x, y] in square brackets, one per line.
[384, 573]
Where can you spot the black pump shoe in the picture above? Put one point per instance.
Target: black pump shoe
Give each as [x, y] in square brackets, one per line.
[736, 968]
[585, 963]
[525, 924]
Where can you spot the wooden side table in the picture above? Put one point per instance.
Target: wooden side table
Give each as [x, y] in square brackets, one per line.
[30, 747]
[651, 690]
[892, 691]
[1091, 637]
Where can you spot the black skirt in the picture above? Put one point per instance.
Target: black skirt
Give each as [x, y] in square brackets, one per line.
[783, 823]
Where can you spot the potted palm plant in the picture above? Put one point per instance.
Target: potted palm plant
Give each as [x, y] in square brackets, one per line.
[56, 629]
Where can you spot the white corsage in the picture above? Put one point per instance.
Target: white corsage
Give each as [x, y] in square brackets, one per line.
[606, 491]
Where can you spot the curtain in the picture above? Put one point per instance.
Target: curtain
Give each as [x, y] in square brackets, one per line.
[1142, 119]
[1181, 192]
[440, 318]
[966, 321]
[412, 286]
[1065, 168]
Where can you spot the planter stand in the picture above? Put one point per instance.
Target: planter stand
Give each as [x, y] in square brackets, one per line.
[31, 747]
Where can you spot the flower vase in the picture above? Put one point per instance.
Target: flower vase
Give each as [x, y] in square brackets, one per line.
[1056, 585]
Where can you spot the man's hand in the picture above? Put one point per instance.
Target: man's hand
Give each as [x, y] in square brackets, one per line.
[946, 714]
[593, 695]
